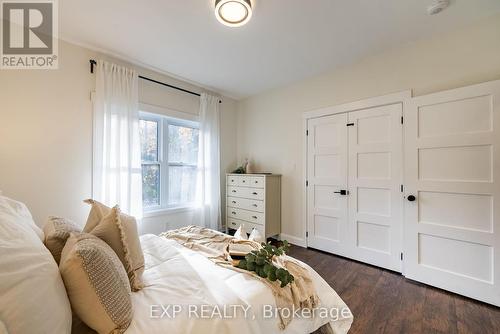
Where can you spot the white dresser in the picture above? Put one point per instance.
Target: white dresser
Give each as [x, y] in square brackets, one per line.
[255, 201]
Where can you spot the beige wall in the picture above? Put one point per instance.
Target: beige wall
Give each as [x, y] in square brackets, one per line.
[270, 124]
[46, 133]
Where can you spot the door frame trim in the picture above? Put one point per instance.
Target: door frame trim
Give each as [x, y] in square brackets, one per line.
[378, 101]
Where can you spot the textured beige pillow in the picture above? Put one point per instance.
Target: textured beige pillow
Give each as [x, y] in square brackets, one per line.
[57, 231]
[96, 283]
[119, 231]
[97, 212]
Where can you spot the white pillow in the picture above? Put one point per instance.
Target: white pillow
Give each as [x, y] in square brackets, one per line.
[256, 236]
[32, 293]
[21, 211]
[241, 233]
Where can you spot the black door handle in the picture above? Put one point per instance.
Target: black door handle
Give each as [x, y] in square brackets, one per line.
[411, 198]
[342, 192]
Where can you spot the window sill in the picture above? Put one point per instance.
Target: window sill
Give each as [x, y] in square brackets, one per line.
[166, 211]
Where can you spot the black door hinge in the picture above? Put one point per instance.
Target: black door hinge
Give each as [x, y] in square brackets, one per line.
[307, 132]
[402, 119]
[350, 124]
[307, 234]
[307, 183]
[401, 256]
[402, 188]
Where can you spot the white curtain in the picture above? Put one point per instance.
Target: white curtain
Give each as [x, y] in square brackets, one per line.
[208, 180]
[117, 177]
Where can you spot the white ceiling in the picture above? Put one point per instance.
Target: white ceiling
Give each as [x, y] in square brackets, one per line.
[286, 40]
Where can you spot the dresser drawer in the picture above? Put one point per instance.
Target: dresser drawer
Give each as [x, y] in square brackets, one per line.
[235, 223]
[249, 216]
[247, 204]
[251, 181]
[244, 192]
[233, 180]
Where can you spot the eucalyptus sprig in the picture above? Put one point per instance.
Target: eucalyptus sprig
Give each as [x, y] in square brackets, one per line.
[260, 261]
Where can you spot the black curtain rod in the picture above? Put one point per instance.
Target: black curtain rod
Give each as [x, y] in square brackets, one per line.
[93, 62]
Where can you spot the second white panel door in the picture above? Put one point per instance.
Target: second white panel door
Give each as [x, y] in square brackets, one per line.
[375, 177]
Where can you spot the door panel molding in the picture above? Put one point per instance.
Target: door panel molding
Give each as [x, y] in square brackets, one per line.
[459, 252]
[374, 234]
[378, 134]
[327, 227]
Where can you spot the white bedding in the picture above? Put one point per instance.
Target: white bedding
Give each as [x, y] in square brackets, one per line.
[175, 275]
[32, 294]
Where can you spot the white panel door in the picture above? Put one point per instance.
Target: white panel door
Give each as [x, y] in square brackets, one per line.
[327, 175]
[375, 178]
[452, 206]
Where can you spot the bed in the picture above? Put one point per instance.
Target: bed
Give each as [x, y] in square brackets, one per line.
[34, 299]
[176, 275]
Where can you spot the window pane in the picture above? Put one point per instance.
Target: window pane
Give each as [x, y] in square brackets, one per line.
[150, 185]
[182, 144]
[149, 140]
[182, 184]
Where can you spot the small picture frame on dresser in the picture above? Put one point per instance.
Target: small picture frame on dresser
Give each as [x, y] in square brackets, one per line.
[254, 200]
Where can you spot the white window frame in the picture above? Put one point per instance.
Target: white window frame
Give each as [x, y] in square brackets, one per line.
[152, 113]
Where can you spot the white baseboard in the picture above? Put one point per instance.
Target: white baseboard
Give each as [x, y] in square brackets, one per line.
[294, 240]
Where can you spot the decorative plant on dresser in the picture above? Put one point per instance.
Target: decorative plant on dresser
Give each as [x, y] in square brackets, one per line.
[254, 200]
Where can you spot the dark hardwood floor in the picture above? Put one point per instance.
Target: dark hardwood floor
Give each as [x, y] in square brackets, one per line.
[385, 302]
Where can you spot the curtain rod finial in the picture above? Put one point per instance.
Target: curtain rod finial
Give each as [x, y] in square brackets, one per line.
[92, 63]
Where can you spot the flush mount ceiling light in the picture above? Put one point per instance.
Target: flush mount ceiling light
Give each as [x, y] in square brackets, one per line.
[233, 13]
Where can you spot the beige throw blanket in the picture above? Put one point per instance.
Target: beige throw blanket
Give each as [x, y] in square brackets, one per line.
[214, 245]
